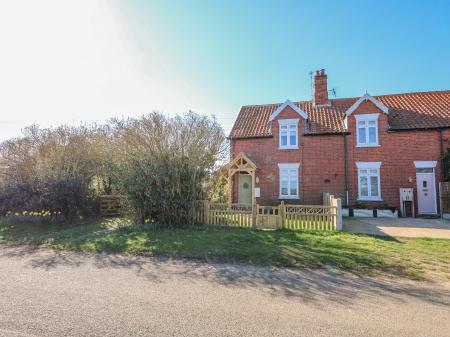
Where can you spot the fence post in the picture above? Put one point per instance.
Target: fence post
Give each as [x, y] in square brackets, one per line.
[440, 200]
[333, 204]
[339, 214]
[337, 219]
[281, 214]
[254, 213]
[206, 212]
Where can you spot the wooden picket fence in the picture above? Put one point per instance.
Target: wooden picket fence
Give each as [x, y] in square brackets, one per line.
[314, 217]
[325, 217]
[219, 214]
[308, 217]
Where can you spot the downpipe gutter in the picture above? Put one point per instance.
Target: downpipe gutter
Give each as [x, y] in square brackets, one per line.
[346, 171]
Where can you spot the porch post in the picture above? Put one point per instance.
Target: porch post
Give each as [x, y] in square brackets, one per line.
[253, 187]
[230, 188]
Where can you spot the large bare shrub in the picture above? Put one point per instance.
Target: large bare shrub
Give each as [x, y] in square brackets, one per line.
[161, 163]
[51, 169]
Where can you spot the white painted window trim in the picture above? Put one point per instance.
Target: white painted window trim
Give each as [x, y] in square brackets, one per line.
[374, 165]
[367, 97]
[283, 106]
[367, 118]
[287, 123]
[288, 166]
[369, 166]
[425, 164]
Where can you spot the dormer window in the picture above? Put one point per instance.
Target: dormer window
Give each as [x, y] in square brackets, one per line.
[288, 133]
[367, 130]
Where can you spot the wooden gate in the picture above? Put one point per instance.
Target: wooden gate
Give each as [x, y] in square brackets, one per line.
[444, 193]
[113, 205]
[268, 217]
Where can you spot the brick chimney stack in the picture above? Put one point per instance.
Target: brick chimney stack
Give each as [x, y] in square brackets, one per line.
[320, 88]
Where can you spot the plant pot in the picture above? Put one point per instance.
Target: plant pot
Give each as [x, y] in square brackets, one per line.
[363, 213]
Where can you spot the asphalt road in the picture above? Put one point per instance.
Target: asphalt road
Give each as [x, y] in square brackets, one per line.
[46, 293]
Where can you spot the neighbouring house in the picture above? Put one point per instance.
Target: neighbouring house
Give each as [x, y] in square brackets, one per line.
[360, 149]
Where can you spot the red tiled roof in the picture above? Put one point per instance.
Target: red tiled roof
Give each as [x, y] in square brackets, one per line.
[420, 110]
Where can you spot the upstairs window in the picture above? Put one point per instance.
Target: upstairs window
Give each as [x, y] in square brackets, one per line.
[288, 133]
[367, 130]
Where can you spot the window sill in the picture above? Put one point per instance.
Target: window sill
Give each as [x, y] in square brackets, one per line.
[369, 199]
[288, 197]
[288, 148]
[368, 145]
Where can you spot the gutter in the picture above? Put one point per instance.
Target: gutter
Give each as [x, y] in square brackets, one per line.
[326, 134]
[420, 129]
[249, 137]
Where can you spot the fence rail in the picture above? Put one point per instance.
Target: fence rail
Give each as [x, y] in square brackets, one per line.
[310, 217]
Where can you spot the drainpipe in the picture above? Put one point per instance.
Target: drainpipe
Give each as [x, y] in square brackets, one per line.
[346, 171]
[441, 143]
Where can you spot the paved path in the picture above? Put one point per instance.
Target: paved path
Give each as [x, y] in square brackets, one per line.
[47, 293]
[400, 227]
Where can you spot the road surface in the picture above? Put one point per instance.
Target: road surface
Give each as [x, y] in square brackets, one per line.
[48, 293]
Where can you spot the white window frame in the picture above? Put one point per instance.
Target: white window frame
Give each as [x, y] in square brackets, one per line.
[289, 167]
[369, 166]
[425, 164]
[288, 123]
[366, 118]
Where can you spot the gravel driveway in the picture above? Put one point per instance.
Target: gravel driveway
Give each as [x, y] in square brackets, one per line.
[47, 293]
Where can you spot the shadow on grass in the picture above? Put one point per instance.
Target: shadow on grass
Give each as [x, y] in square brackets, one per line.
[333, 251]
[308, 285]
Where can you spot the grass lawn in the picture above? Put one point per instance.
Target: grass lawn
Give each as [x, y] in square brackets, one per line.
[362, 254]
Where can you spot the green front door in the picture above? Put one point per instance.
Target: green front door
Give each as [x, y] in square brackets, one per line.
[245, 189]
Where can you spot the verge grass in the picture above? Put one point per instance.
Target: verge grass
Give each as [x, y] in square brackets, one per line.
[426, 259]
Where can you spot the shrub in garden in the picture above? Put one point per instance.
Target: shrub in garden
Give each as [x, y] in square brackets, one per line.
[162, 163]
[17, 196]
[51, 169]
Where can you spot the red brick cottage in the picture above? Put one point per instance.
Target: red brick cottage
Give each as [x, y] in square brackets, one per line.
[361, 149]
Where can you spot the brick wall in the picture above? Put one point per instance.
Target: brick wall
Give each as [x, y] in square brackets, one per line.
[321, 160]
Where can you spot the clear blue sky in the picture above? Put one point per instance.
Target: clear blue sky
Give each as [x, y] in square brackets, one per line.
[255, 52]
[92, 60]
